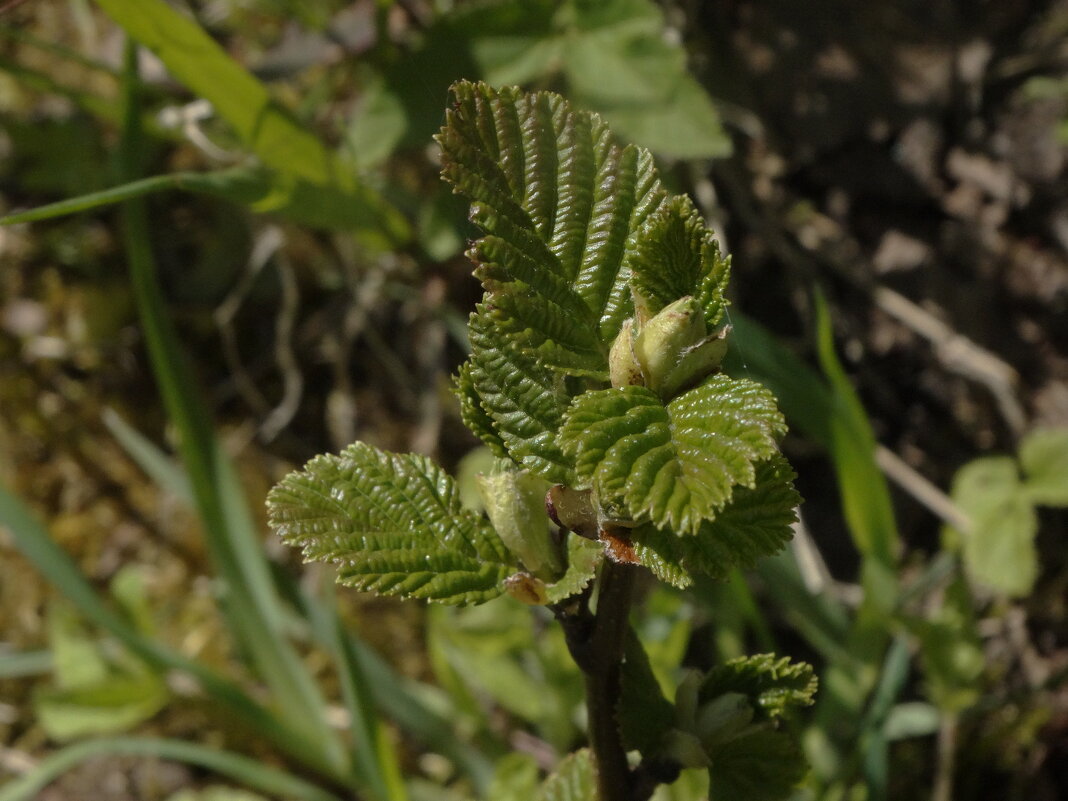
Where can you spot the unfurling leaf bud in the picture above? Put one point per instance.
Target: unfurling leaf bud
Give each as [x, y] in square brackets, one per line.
[696, 362]
[515, 502]
[661, 341]
[673, 350]
[623, 367]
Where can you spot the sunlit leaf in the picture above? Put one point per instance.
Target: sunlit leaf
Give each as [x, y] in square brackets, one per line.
[756, 523]
[557, 199]
[524, 400]
[673, 255]
[1044, 458]
[675, 465]
[999, 547]
[393, 524]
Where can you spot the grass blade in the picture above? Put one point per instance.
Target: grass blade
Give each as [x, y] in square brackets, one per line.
[164, 472]
[25, 663]
[251, 186]
[35, 544]
[251, 605]
[267, 129]
[865, 495]
[249, 772]
[374, 757]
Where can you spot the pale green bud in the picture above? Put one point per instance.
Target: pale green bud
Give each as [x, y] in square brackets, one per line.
[662, 340]
[515, 503]
[696, 362]
[623, 367]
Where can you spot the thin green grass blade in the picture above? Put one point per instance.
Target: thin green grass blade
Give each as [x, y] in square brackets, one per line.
[251, 773]
[820, 619]
[248, 185]
[399, 699]
[266, 128]
[374, 758]
[35, 544]
[25, 663]
[158, 466]
[876, 744]
[250, 605]
[865, 495]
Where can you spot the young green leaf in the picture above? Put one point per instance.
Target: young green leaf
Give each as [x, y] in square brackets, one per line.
[1044, 458]
[524, 400]
[775, 686]
[393, 523]
[674, 255]
[583, 558]
[557, 200]
[756, 523]
[674, 465]
[999, 547]
[737, 706]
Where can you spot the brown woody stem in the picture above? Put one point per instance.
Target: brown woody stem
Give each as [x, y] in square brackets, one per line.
[607, 641]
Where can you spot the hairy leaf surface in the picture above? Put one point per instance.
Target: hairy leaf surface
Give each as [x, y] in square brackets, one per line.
[775, 685]
[583, 558]
[675, 465]
[672, 255]
[558, 200]
[756, 523]
[393, 524]
[524, 400]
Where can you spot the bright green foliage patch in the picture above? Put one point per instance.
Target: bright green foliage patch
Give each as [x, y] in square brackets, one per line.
[393, 524]
[675, 465]
[999, 495]
[756, 523]
[557, 199]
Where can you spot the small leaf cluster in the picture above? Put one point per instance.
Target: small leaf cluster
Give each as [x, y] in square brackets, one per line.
[594, 371]
[728, 721]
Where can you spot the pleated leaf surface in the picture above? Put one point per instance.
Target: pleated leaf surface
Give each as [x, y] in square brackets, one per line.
[393, 524]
